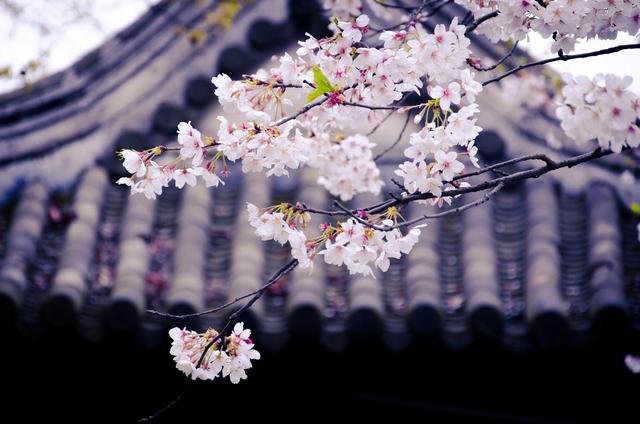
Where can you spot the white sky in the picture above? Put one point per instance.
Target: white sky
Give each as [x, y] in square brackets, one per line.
[626, 62]
[20, 42]
[70, 39]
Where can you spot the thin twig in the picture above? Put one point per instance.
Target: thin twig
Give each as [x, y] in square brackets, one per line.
[461, 208]
[379, 124]
[511, 178]
[480, 20]
[395, 143]
[495, 65]
[252, 79]
[305, 109]
[417, 18]
[566, 57]
[281, 273]
[355, 216]
[318, 211]
[506, 178]
[288, 267]
[168, 406]
[257, 294]
[495, 166]
[394, 6]
[354, 104]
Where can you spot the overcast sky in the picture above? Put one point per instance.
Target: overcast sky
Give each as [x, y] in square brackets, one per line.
[626, 62]
[20, 42]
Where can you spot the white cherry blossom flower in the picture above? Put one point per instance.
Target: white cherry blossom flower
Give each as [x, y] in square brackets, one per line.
[184, 176]
[133, 162]
[414, 175]
[211, 179]
[447, 164]
[352, 31]
[447, 96]
[335, 253]
[191, 141]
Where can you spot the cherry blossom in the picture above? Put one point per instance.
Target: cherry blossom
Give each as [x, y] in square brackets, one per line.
[347, 167]
[334, 253]
[461, 127]
[447, 164]
[343, 71]
[231, 355]
[309, 108]
[565, 21]
[185, 176]
[150, 184]
[209, 176]
[447, 95]
[353, 31]
[472, 152]
[191, 141]
[415, 176]
[133, 162]
[356, 245]
[601, 108]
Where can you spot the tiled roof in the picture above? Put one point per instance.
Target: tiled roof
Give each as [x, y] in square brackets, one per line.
[552, 261]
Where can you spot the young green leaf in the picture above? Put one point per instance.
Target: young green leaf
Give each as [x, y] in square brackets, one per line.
[321, 80]
[314, 95]
[323, 86]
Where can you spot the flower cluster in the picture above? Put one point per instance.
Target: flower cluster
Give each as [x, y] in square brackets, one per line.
[357, 244]
[359, 76]
[351, 169]
[434, 159]
[150, 178]
[355, 82]
[564, 20]
[601, 108]
[264, 147]
[434, 163]
[231, 357]
[259, 97]
[527, 89]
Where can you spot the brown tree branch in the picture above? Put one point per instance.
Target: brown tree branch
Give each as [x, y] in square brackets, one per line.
[459, 209]
[394, 6]
[281, 273]
[509, 179]
[495, 65]
[257, 294]
[471, 27]
[550, 165]
[565, 57]
[168, 406]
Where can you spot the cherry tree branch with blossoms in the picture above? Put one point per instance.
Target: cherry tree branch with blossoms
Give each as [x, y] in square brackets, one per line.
[307, 111]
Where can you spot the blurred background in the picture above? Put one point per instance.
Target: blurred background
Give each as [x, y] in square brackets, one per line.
[521, 310]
